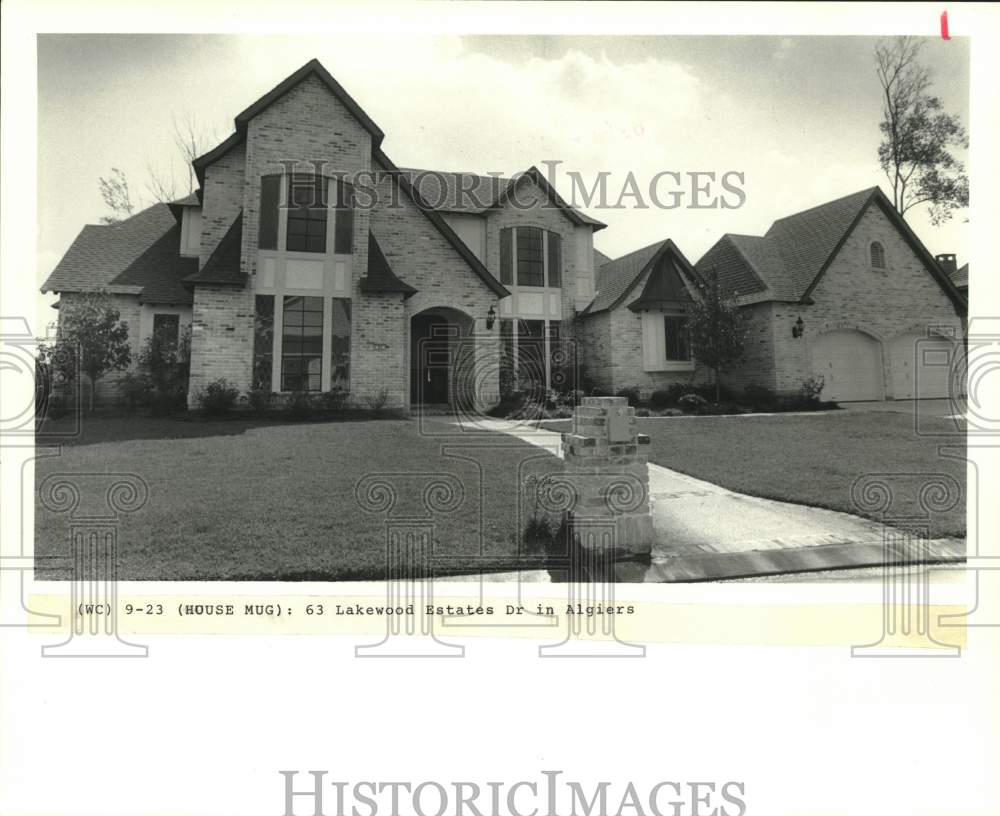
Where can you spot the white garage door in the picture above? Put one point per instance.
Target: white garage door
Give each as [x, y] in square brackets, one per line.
[920, 370]
[850, 363]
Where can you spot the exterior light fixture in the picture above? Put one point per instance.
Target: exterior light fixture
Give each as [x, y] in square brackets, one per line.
[798, 328]
[491, 318]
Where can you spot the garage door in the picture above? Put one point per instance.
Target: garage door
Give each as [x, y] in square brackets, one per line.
[850, 363]
[920, 370]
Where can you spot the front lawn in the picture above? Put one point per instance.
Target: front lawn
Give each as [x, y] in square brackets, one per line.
[240, 500]
[810, 460]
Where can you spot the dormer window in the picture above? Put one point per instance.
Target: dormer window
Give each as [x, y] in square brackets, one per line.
[877, 256]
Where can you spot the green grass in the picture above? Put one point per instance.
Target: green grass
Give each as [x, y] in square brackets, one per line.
[811, 460]
[241, 500]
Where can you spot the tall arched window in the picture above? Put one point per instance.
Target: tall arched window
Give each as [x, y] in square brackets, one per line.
[877, 254]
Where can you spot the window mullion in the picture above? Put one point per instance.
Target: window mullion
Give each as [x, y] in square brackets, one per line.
[278, 330]
[325, 373]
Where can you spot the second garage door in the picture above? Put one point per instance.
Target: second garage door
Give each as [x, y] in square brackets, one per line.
[920, 366]
[850, 363]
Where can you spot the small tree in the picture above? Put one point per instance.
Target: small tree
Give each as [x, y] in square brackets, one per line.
[91, 339]
[917, 135]
[717, 327]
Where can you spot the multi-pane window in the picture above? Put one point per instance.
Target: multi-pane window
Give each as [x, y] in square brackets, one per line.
[877, 255]
[167, 326]
[530, 270]
[340, 346]
[270, 200]
[307, 213]
[263, 341]
[530, 256]
[677, 341]
[302, 344]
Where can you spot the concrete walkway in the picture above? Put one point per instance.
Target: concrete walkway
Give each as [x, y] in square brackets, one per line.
[706, 532]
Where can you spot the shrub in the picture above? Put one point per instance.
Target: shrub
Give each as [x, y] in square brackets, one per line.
[812, 388]
[559, 412]
[692, 402]
[259, 400]
[377, 399]
[217, 398]
[538, 535]
[631, 393]
[333, 400]
[642, 412]
[137, 391]
[299, 405]
[661, 398]
[670, 412]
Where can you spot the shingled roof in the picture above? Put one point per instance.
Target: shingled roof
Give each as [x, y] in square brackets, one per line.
[137, 256]
[961, 277]
[223, 265]
[475, 194]
[617, 278]
[787, 262]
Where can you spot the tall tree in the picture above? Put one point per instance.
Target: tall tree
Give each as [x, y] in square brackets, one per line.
[717, 326]
[917, 135]
[117, 196]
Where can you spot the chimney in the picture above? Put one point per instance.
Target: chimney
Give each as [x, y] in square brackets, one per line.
[947, 262]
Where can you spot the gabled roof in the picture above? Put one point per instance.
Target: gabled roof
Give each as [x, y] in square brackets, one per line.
[191, 200]
[538, 178]
[380, 278]
[102, 253]
[223, 265]
[788, 261]
[440, 224]
[961, 277]
[618, 278]
[312, 68]
[475, 194]
[599, 259]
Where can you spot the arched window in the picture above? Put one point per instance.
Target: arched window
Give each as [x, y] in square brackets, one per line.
[877, 253]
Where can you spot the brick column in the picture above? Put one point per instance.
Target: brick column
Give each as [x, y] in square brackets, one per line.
[606, 463]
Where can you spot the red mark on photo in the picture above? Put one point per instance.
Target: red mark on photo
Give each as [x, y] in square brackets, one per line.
[944, 26]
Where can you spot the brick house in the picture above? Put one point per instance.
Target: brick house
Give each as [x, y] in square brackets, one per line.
[845, 291]
[307, 261]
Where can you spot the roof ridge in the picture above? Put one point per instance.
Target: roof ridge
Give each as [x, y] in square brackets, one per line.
[636, 251]
[868, 190]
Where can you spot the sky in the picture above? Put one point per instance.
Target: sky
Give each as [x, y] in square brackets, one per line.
[798, 116]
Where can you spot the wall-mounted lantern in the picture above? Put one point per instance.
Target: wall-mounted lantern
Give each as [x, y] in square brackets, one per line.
[798, 328]
[491, 318]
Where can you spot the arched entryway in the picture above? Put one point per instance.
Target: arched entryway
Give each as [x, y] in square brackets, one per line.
[439, 339]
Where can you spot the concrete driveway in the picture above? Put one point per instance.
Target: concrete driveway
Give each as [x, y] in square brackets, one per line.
[707, 532]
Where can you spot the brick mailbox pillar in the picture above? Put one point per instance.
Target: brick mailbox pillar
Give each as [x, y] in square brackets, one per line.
[606, 463]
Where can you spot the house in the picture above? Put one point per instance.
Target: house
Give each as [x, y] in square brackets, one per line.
[847, 292]
[307, 261]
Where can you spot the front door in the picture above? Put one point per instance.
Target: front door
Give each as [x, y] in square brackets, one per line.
[429, 360]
